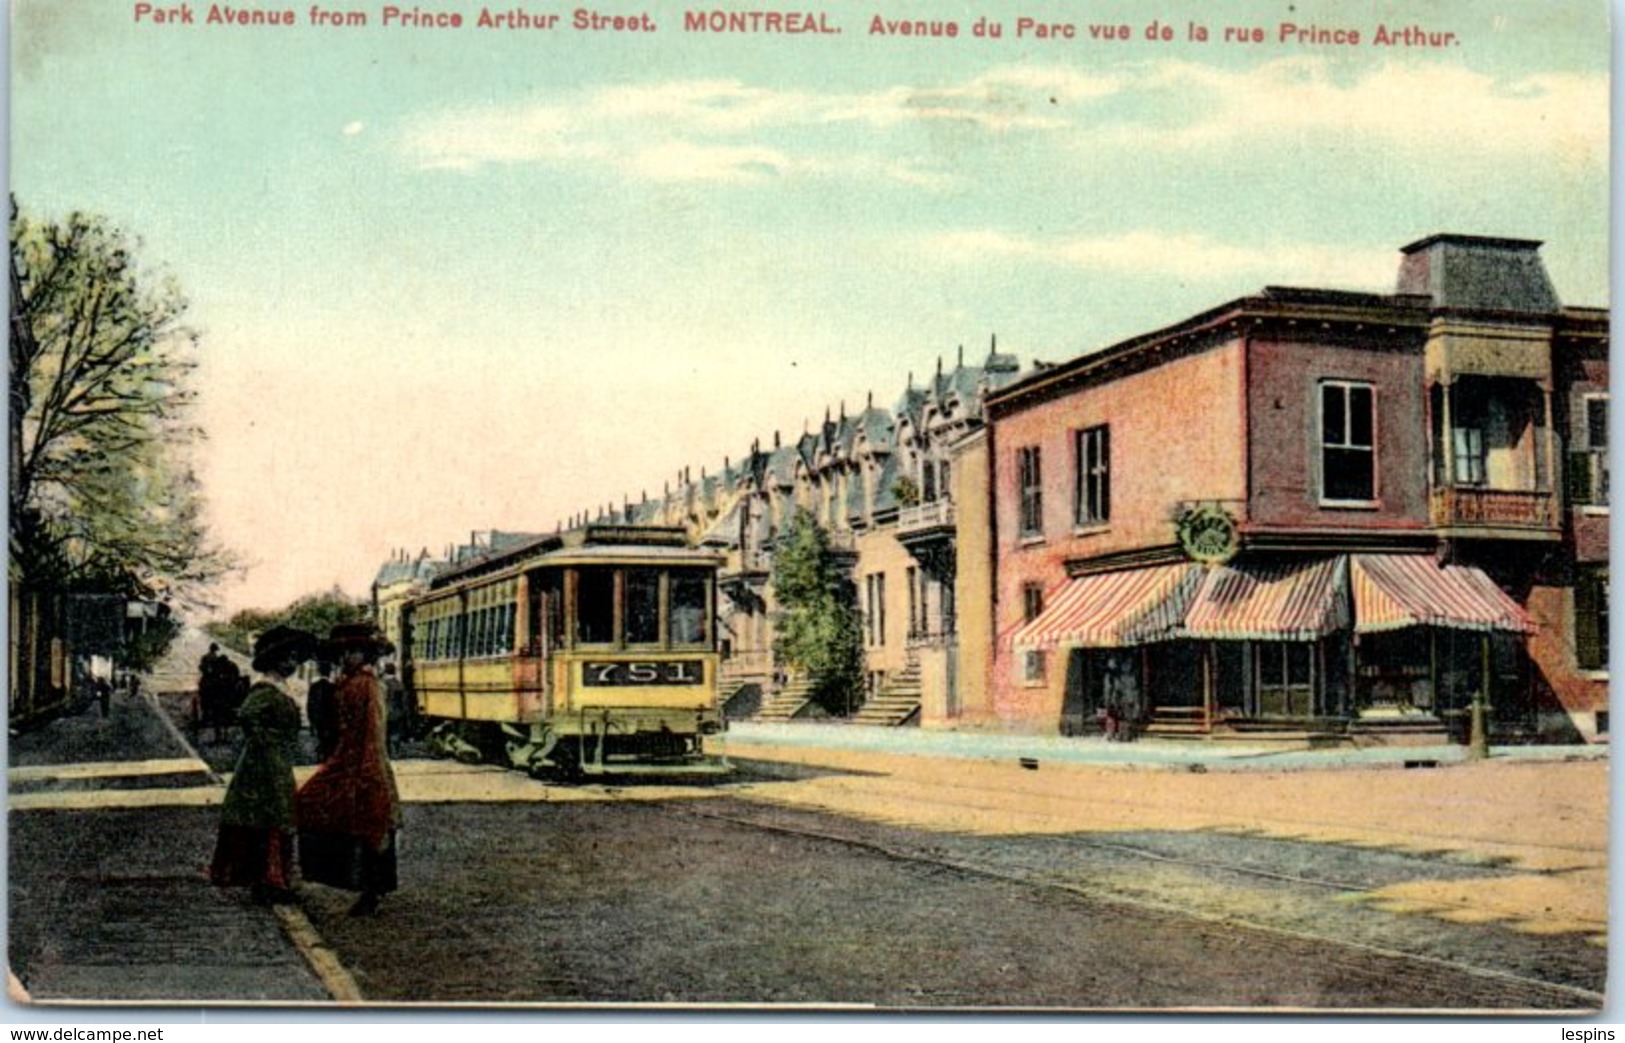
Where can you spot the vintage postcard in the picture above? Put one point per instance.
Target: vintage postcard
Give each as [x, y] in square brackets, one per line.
[1074, 505]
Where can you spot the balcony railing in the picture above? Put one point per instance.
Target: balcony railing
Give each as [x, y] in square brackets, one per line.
[938, 514]
[946, 635]
[1469, 506]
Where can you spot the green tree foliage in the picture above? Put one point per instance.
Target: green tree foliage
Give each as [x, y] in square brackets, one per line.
[317, 613]
[818, 628]
[102, 493]
[143, 648]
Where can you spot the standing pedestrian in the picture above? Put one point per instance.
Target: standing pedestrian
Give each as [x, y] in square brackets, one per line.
[255, 843]
[203, 699]
[349, 810]
[321, 709]
[399, 710]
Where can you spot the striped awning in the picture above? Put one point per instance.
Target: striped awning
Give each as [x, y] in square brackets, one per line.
[1277, 601]
[1394, 591]
[1110, 610]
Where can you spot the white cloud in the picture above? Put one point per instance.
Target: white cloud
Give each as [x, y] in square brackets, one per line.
[1438, 108]
[353, 128]
[1192, 258]
[727, 130]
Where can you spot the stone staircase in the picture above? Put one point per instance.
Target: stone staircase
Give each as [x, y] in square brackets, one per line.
[741, 699]
[898, 701]
[789, 702]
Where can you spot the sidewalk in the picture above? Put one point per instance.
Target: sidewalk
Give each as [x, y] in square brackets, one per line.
[746, 739]
[106, 900]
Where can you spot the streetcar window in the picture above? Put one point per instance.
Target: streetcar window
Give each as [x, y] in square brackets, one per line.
[642, 607]
[547, 611]
[688, 625]
[510, 614]
[595, 606]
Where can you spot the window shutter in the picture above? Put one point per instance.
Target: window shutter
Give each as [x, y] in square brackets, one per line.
[1578, 477]
[1587, 635]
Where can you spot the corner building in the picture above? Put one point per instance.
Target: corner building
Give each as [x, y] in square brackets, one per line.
[1309, 513]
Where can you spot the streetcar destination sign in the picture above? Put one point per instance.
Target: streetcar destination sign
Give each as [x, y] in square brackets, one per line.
[623, 674]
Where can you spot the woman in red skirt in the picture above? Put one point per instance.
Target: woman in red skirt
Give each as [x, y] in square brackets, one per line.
[349, 810]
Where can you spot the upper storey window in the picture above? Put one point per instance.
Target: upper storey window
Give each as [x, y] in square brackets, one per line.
[1030, 471]
[1092, 504]
[1348, 447]
[1588, 465]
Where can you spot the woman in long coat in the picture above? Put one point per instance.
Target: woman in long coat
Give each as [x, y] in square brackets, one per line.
[255, 843]
[349, 810]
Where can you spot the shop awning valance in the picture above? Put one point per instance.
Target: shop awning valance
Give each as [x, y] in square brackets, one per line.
[1111, 610]
[1277, 601]
[1395, 591]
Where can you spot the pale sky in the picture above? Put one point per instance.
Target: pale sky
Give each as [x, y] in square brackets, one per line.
[457, 279]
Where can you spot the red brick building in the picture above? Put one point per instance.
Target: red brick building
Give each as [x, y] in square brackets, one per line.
[1311, 511]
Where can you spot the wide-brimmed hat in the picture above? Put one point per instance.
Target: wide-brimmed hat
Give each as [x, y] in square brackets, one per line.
[281, 645]
[353, 637]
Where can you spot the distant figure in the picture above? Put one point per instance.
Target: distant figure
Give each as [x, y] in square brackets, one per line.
[398, 710]
[218, 679]
[255, 844]
[1122, 700]
[349, 810]
[207, 667]
[322, 710]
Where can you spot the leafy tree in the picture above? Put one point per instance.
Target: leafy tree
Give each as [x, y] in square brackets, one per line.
[818, 627]
[320, 613]
[317, 613]
[143, 648]
[102, 492]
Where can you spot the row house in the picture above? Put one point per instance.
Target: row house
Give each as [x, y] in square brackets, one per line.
[1304, 511]
[879, 482]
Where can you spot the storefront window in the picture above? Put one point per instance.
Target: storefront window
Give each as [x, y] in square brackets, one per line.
[1286, 678]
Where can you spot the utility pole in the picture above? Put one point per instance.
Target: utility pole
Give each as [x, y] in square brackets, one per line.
[1478, 739]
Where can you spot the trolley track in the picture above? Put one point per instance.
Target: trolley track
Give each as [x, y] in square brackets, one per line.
[1478, 986]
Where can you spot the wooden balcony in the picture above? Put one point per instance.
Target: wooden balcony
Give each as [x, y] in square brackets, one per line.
[1516, 513]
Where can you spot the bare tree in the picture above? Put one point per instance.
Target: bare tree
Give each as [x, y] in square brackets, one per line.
[102, 490]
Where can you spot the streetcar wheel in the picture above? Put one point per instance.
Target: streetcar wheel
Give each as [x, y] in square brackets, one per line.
[566, 766]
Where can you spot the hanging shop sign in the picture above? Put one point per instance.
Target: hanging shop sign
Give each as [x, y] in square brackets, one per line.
[1208, 534]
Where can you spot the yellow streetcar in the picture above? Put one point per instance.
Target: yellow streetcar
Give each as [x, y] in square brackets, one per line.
[585, 653]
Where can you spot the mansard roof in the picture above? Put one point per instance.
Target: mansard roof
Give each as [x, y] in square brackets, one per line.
[406, 569]
[885, 495]
[1478, 273]
[875, 427]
